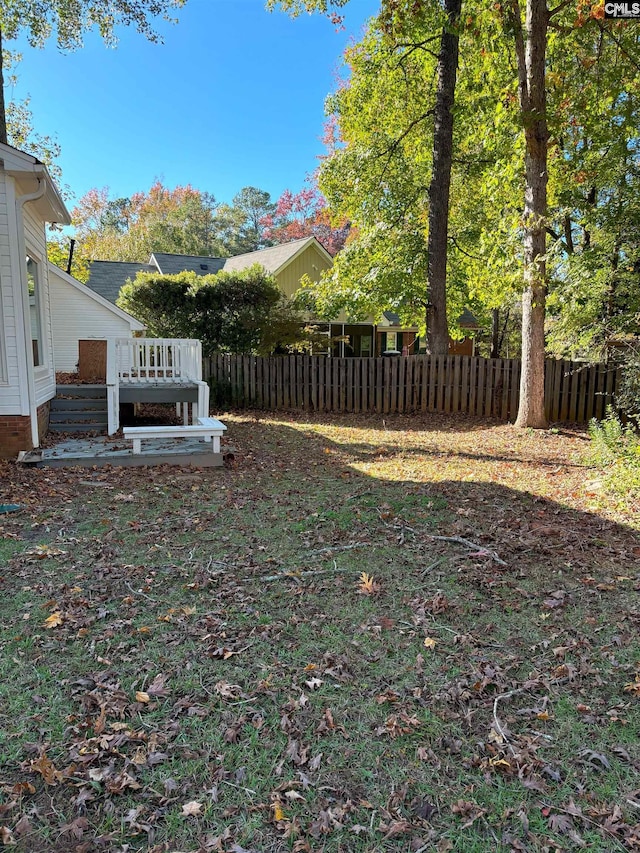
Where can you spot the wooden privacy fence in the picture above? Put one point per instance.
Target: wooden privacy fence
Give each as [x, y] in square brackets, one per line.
[487, 387]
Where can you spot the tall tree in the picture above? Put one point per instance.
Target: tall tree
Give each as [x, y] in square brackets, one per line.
[305, 214]
[397, 16]
[179, 220]
[530, 50]
[440, 186]
[68, 20]
[255, 204]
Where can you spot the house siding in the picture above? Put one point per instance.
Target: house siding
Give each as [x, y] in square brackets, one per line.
[310, 262]
[45, 379]
[76, 316]
[12, 400]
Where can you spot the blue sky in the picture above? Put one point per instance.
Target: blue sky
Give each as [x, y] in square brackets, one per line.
[234, 97]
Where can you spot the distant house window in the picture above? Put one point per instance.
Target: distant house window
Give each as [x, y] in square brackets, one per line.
[392, 341]
[34, 286]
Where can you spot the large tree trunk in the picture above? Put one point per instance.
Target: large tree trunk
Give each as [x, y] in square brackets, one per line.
[3, 112]
[437, 327]
[531, 73]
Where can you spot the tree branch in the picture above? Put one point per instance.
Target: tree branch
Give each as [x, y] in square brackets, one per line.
[559, 8]
[616, 41]
[464, 252]
[395, 144]
[514, 16]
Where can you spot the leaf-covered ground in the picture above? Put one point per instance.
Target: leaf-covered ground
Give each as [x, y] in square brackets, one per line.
[418, 634]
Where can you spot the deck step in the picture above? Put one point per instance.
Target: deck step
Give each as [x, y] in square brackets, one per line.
[81, 391]
[71, 428]
[79, 408]
[78, 405]
[96, 415]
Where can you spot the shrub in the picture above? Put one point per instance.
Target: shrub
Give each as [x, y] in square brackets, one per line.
[233, 312]
[616, 448]
[628, 396]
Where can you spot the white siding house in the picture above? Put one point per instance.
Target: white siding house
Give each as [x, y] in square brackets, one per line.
[28, 200]
[79, 313]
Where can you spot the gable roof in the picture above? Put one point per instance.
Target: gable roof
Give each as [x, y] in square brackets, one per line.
[467, 320]
[136, 325]
[169, 264]
[107, 277]
[275, 258]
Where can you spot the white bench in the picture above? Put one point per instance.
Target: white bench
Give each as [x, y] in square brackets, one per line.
[209, 429]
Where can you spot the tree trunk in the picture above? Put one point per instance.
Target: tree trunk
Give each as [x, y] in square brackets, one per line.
[3, 112]
[533, 108]
[495, 333]
[437, 327]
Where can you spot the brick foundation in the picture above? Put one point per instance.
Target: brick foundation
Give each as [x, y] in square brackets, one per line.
[15, 432]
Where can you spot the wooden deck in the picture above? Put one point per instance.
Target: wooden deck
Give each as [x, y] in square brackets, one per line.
[156, 370]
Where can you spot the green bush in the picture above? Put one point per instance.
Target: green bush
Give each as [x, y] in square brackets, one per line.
[628, 396]
[615, 447]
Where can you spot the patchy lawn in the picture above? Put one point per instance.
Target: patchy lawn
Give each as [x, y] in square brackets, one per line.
[410, 634]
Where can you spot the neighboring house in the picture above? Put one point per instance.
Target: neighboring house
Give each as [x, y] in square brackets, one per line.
[80, 313]
[287, 263]
[28, 200]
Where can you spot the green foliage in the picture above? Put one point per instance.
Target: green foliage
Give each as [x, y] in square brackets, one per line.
[611, 440]
[380, 156]
[616, 448]
[58, 254]
[234, 312]
[628, 396]
[182, 220]
[68, 20]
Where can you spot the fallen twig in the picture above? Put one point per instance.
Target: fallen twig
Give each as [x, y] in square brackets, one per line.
[496, 722]
[339, 548]
[140, 592]
[472, 545]
[293, 574]
[432, 566]
[584, 817]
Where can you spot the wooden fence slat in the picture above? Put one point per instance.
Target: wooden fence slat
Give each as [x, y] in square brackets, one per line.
[394, 386]
[515, 389]
[574, 391]
[479, 408]
[577, 376]
[488, 393]
[473, 385]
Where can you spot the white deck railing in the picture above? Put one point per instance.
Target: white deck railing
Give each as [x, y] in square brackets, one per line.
[153, 361]
[156, 360]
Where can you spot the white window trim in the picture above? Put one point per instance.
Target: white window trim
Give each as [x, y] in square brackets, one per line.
[41, 370]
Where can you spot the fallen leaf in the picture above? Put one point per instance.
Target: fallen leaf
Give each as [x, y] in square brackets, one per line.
[141, 696]
[54, 620]
[46, 768]
[6, 836]
[192, 809]
[367, 585]
[429, 643]
[278, 812]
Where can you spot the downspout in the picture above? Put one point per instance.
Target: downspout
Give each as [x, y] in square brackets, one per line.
[22, 272]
